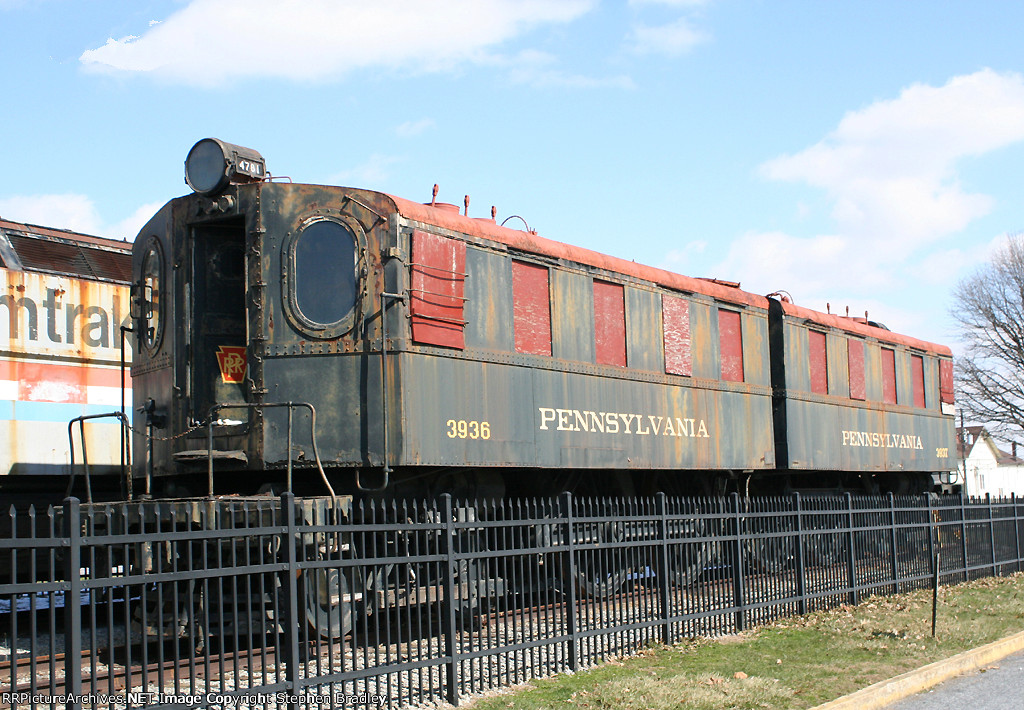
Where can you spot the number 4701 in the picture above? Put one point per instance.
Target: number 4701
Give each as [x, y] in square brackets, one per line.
[468, 429]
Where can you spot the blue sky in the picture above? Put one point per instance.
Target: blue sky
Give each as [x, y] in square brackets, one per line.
[863, 154]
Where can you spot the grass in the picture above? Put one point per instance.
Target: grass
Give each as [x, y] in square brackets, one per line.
[798, 662]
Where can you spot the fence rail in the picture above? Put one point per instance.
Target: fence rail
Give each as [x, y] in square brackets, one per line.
[292, 603]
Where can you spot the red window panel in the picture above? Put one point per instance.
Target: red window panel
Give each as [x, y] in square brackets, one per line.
[819, 362]
[531, 304]
[888, 376]
[437, 291]
[675, 314]
[917, 374]
[730, 337]
[946, 381]
[855, 349]
[609, 324]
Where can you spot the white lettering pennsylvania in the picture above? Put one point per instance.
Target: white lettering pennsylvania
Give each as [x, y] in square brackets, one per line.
[877, 440]
[619, 423]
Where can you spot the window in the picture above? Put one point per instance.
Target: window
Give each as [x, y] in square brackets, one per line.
[946, 381]
[150, 300]
[437, 293]
[855, 351]
[917, 374]
[321, 281]
[609, 324]
[888, 376]
[818, 357]
[531, 308]
[730, 336]
[675, 314]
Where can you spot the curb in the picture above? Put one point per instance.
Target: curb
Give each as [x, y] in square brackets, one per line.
[889, 691]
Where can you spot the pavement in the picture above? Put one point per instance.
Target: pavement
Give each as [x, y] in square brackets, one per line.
[987, 678]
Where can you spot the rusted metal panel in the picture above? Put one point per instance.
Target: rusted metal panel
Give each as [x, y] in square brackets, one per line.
[858, 384]
[438, 290]
[756, 370]
[644, 330]
[532, 308]
[731, 345]
[818, 361]
[572, 316]
[678, 356]
[888, 365]
[838, 359]
[946, 381]
[489, 289]
[487, 413]
[609, 324]
[917, 379]
[704, 340]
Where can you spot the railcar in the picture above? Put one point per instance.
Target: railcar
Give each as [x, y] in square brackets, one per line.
[432, 352]
[63, 302]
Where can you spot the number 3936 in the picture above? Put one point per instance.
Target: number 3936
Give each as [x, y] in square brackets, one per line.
[468, 429]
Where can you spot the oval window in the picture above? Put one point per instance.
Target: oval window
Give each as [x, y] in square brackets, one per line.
[325, 281]
[152, 277]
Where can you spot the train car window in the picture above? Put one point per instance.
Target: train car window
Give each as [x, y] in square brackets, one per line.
[324, 265]
[730, 336]
[917, 375]
[675, 314]
[437, 294]
[946, 381]
[609, 324]
[855, 351]
[151, 315]
[888, 376]
[818, 358]
[531, 296]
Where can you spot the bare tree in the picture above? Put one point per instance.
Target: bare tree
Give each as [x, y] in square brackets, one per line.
[989, 308]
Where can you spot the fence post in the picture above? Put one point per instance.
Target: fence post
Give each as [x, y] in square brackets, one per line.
[450, 565]
[801, 572]
[73, 603]
[933, 533]
[565, 503]
[1016, 529]
[992, 534]
[963, 536]
[292, 655]
[851, 559]
[893, 539]
[664, 589]
[737, 565]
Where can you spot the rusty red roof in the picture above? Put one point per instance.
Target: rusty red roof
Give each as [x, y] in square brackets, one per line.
[61, 251]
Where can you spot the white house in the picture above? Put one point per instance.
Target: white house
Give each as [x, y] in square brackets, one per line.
[984, 468]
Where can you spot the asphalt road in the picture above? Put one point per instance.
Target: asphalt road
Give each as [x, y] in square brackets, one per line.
[997, 687]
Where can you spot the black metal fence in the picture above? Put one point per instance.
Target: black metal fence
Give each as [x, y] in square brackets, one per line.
[295, 603]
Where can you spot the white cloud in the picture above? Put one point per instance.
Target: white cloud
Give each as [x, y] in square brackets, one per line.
[890, 169]
[67, 211]
[375, 171]
[74, 212]
[672, 40]
[410, 129]
[210, 42]
[537, 68]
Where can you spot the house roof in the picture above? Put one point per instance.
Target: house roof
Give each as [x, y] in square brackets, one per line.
[969, 437]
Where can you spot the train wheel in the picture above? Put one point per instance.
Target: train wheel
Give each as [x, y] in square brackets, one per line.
[771, 555]
[328, 602]
[599, 573]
